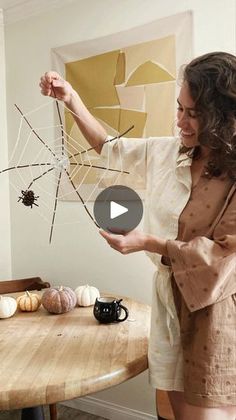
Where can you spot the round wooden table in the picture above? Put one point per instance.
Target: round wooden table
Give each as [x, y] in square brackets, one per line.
[49, 358]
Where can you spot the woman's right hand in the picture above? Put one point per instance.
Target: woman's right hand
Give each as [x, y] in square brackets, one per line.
[52, 84]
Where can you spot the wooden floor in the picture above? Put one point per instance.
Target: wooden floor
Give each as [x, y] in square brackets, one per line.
[64, 413]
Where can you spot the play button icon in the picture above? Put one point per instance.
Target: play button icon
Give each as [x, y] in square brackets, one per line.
[118, 209]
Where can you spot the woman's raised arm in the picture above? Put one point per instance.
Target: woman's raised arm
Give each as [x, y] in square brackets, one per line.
[52, 84]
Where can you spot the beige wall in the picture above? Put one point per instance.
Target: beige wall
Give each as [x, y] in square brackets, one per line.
[5, 231]
[78, 254]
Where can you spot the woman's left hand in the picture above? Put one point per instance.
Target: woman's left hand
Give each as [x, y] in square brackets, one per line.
[126, 243]
[135, 241]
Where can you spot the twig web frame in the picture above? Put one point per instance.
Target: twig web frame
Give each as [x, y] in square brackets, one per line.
[50, 158]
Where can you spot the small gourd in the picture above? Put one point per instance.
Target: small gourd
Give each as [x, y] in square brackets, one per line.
[59, 300]
[8, 306]
[86, 295]
[29, 302]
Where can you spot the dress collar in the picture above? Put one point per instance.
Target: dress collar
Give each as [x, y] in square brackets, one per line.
[183, 159]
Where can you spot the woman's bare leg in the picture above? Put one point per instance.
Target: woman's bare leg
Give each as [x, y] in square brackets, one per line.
[185, 411]
[163, 405]
[177, 403]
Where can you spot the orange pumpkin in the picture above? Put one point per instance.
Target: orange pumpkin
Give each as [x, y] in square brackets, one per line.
[29, 302]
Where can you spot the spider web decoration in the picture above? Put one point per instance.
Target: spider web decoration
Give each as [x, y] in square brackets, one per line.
[50, 154]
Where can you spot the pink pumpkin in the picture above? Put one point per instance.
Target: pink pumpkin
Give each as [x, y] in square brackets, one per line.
[59, 300]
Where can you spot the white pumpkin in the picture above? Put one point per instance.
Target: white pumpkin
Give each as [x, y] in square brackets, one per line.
[8, 306]
[86, 295]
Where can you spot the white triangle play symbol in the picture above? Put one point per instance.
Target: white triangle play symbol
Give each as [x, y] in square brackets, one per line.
[116, 210]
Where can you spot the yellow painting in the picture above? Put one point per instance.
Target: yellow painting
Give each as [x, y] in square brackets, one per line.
[131, 84]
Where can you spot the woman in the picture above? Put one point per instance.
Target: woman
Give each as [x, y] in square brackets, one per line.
[189, 233]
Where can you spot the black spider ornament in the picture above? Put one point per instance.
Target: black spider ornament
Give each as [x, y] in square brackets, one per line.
[28, 198]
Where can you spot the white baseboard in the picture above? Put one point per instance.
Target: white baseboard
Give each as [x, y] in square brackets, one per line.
[107, 410]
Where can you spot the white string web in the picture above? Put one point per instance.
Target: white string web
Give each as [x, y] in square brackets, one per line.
[46, 158]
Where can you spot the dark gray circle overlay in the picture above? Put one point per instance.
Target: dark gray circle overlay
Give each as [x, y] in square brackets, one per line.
[112, 198]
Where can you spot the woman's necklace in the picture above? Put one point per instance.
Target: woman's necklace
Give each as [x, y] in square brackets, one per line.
[198, 169]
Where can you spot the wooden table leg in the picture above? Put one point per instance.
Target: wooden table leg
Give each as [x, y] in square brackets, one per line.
[53, 411]
[32, 413]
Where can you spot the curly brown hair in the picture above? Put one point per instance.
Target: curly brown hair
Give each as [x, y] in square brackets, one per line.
[211, 79]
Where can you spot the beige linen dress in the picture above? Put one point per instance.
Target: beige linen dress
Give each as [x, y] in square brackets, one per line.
[193, 337]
